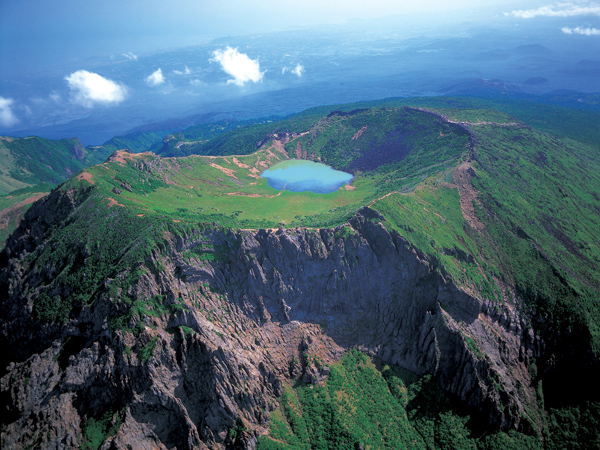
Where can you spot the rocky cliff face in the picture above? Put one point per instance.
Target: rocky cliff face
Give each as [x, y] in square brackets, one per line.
[194, 351]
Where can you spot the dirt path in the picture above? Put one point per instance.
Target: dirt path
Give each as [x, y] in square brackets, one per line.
[381, 198]
[242, 194]
[447, 119]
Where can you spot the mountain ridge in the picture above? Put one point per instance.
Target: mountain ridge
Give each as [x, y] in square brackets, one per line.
[131, 281]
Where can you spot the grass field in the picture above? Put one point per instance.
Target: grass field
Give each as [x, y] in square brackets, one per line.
[229, 189]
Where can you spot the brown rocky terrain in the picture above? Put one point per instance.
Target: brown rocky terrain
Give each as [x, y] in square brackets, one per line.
[229, 330]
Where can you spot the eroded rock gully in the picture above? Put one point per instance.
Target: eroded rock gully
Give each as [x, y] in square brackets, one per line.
[245, 309]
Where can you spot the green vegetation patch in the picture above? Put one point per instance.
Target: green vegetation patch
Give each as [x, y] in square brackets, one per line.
[94, 244]
[355, 407]
[97, 430]
[363, 406]
[32, 160]
[148, 350]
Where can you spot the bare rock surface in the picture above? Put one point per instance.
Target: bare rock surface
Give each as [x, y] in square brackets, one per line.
[245, 323]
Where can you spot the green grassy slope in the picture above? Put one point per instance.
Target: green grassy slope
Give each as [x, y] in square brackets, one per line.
[537, 202]
[558, 120]
[229, 190]
[14, 205]
[25, 162]
[29, 169]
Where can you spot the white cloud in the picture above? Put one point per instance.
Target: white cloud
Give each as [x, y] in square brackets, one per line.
[155, 78]
[559, 10]
[187, 71]
[584, 31]
[89, 88]
[130, 56]
[7, 117]
[238, 65]
[299, 70]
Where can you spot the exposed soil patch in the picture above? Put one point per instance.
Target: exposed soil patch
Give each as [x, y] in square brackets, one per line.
[228, 172]
[87, 177]
[112, 202]
[462, 176]
[242, 194]
[34, 198]
[254, 173]
[270, 155]
[240, 164]
[280, 147]
[121, 156]
[359, 133]
[16, 210]
[298, 150]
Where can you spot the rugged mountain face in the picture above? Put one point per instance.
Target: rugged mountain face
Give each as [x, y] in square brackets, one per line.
[214, 338]
[30, 167]
[130, 320]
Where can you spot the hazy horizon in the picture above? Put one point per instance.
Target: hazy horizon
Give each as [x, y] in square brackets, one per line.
[113, 66]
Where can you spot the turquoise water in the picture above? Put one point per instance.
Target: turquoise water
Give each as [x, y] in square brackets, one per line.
[298, 175]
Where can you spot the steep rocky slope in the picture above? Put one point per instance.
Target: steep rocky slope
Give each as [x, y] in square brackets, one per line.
[131, 327]
[229, 332]
[30, 167]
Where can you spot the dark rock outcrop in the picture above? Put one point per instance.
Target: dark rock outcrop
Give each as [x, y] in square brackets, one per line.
[234, 327]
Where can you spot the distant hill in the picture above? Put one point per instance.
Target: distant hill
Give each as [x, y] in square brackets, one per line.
[532, 49]
[30, 167]
[25, 162]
